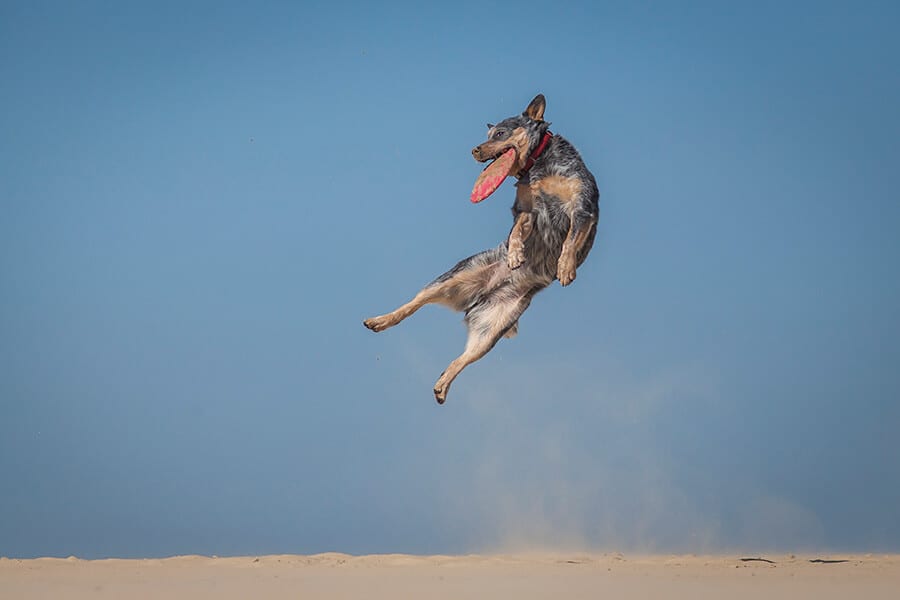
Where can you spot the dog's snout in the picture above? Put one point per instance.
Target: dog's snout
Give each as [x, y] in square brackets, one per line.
[476, 152]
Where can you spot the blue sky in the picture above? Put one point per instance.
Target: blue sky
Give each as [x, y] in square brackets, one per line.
[202, 202]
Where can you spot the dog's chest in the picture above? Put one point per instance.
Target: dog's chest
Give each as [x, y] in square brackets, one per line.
[551, 222]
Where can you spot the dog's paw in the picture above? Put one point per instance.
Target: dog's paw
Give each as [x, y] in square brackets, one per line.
[441, 387]
[440, 394]
[515, 256]
[377, 324]
[565, 270]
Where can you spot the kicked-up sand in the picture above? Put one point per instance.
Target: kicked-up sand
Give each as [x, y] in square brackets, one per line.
[556, 576]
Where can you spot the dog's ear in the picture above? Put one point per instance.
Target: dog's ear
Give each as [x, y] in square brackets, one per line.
[535, 110]
[490, 125]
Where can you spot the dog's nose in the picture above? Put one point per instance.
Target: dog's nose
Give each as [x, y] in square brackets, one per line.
[476, 152]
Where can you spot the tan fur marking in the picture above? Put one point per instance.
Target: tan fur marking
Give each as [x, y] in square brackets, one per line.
[519, 139]
[566, 189]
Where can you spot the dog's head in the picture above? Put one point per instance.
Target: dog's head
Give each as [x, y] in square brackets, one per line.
[522, 132]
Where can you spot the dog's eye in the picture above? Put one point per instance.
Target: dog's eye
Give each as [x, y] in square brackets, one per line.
[498, 135]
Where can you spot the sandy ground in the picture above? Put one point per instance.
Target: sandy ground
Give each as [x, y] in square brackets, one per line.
[499, 576]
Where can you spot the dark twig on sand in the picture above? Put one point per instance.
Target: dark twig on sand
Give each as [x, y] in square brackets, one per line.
[757, 559]
[828, 561]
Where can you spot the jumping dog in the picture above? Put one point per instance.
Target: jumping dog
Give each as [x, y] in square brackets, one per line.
[554, 224]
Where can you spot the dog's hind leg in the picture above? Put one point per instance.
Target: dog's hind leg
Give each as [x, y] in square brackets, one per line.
[512, 332]
[392, 318]
[459, 288]
[488, 321]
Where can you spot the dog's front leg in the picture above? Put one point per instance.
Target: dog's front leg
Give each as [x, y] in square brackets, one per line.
[516, 244]
[575, 239]
[524, 223]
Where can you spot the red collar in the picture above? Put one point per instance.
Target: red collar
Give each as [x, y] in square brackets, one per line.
[537, 152]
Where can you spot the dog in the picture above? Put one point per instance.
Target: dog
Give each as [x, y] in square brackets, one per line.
[554, 224]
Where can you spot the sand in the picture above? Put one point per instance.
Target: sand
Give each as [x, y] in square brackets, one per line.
[556, 576]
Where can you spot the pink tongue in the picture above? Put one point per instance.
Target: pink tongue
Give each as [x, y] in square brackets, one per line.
[493, 175]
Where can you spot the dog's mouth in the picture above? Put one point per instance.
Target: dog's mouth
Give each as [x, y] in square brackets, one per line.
[492, 176]
[496, 154]
[503, 152]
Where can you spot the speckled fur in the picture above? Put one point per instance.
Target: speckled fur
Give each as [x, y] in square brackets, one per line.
[554, 224]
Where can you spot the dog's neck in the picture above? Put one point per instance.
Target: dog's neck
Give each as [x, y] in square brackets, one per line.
[537, 152]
